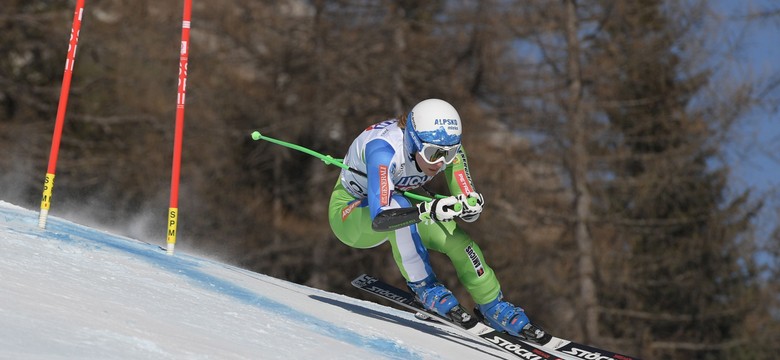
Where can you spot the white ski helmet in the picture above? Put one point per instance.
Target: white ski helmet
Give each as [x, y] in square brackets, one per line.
[432, 121]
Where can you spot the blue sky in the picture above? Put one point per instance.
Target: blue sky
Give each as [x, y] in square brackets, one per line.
[754, 150]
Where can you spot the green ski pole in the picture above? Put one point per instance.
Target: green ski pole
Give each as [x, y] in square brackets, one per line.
[329, 160]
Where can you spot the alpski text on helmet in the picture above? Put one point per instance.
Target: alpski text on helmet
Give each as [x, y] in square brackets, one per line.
[445, 122]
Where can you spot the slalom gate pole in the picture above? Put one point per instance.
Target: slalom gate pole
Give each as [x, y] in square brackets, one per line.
[329, 160]
[173, 210]
[48, 183]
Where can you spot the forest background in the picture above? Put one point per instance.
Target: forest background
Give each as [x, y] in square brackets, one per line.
[603, 135]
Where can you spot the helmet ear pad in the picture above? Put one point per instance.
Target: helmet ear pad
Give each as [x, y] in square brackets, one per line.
[432, 121]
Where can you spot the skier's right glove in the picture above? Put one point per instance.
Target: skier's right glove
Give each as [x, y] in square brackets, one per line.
[445, 209]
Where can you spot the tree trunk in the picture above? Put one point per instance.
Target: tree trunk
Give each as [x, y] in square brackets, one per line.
[578, 170]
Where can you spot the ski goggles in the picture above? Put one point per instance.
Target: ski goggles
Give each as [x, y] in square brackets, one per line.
[432, 154]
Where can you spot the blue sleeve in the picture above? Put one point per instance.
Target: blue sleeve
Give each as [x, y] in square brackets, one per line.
[379, 155]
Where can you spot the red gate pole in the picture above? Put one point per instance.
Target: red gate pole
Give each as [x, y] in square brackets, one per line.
[48, 183]
[173, 210]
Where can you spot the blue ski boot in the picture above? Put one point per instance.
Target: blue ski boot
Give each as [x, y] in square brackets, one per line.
[433, 295]
[504, 316]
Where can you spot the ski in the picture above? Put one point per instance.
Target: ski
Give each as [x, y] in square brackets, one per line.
[543, 348]
[462, 320]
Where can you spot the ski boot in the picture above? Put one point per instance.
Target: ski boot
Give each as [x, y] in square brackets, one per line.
[508, 318]
[434, 296]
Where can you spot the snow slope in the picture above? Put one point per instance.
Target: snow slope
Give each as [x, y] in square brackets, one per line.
[73, 292]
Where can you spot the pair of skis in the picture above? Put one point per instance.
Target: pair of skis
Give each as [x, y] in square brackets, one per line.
[537, 345]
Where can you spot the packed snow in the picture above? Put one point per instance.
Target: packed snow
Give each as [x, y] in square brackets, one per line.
[74, 292]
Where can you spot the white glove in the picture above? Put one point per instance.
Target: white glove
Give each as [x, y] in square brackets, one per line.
[445, 209]
[470, 213]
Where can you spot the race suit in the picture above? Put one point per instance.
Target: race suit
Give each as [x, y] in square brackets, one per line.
[381, 166]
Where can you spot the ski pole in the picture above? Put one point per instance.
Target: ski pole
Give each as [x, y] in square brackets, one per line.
[329, 160]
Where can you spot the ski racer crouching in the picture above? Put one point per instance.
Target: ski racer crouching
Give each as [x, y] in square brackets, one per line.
[366, 209]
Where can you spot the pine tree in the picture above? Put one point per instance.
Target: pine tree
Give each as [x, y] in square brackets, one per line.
[684, 247]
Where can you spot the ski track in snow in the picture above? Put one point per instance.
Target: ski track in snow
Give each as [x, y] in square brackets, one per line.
[71, 291]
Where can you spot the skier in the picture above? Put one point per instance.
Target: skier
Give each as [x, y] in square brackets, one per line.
[365, 209]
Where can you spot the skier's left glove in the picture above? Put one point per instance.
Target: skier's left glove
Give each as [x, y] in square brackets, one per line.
[472, 206]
